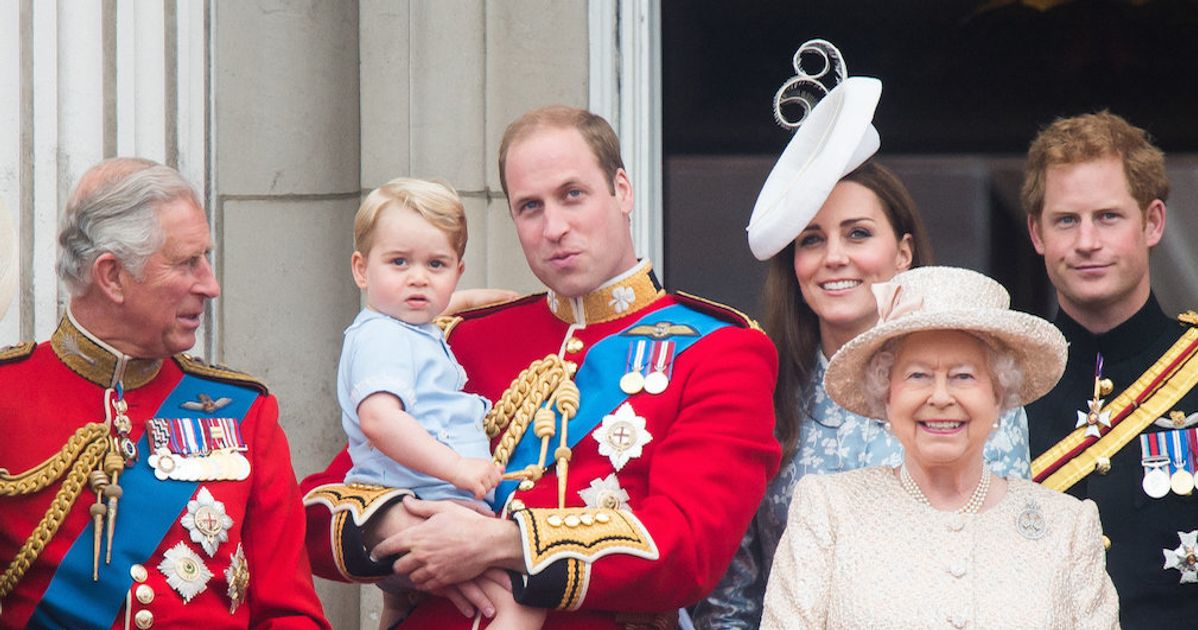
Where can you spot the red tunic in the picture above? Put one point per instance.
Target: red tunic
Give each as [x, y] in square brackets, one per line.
[43, 402]
[694, 488]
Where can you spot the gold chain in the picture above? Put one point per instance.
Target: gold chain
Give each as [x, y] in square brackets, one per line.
[41, 476]
[72, 485]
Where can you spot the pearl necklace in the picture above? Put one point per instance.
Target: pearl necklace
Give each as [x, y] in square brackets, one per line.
[971, 506]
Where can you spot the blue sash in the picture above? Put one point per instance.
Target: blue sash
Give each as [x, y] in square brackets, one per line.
[598, 381]
[146, 511]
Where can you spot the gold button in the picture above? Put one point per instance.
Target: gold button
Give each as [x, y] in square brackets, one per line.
[144, 619]
[574, 344]
[1106, 542]
[571, 367]
[1102, 465]
[515, 506]
[144, 593]
[138, 573]
[526, 485]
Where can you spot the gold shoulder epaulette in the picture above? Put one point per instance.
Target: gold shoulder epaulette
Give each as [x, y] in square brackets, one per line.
[447, 323]
[1188, 317]
[19, 352]
[722, 311]
[196, 367]
[487, 309]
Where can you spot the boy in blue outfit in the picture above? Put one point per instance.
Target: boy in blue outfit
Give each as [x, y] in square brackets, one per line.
[409, 423]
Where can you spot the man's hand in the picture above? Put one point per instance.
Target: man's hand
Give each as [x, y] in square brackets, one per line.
[476, 476]
[463, 299]
[452, 545]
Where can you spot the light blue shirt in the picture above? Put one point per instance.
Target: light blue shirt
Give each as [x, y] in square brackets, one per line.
[383, 354]
[832, 439]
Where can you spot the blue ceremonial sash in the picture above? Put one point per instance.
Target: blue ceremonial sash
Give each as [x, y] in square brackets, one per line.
[599, 391]
[146, 511]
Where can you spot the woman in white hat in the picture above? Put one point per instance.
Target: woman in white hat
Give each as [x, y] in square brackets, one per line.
[939, 541]
[830, 227]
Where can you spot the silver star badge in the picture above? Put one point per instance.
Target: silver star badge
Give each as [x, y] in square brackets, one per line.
[1185, 557]
[185, 571]
[622, 436]
[1095, 417]
[207, 521]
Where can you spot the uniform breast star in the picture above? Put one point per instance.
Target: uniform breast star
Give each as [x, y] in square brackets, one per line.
[207, 521]
[622, 436]
[185, 571]
[605, 493]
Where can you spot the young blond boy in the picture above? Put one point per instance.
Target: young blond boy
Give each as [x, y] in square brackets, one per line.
[409, 423]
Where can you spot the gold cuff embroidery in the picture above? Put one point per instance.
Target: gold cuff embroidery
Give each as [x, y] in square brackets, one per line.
[360, 500]
[585, 534]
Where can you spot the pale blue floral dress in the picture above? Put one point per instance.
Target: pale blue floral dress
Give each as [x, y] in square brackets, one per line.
[833, 440]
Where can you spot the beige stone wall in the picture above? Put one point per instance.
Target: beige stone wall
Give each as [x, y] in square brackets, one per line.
[315, 103]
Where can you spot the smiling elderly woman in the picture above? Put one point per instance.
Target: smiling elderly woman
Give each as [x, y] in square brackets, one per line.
[939, 541]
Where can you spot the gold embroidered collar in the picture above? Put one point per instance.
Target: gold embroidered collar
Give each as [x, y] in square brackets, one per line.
[97, 361]
[626, 293]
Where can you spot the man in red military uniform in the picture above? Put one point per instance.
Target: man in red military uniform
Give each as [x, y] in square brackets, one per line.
[636, 427]
[140, 487]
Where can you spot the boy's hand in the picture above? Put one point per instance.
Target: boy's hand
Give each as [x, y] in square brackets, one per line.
[476, 476]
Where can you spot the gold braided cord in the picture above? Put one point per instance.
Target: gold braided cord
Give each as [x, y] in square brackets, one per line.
[516, 407]
[72, 485]
[528, 400]
[41, 476]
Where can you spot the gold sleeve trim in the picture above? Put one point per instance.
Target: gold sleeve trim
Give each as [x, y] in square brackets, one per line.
[578, 578]
[358, 500]
[584, 534]
[336, 526]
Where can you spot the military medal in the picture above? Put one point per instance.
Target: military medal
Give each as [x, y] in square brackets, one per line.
[622, 436]
[185, 571]
[197, 449]
[1156, 467]
[1094, 417]
[1182, 480]
[1185, 557]
[633, 380]
[207, 521]
[663, 361]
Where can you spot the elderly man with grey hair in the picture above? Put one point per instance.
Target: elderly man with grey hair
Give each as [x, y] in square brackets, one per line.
[140, 486]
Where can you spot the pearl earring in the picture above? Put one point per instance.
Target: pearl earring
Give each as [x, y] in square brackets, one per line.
[886, 425]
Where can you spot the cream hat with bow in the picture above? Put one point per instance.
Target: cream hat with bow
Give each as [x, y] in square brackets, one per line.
[949, 298]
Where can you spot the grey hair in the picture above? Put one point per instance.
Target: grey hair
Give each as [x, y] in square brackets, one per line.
[114, 209]
[1005, 373]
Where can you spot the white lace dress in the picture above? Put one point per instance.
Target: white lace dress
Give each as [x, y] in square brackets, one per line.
[859, 552]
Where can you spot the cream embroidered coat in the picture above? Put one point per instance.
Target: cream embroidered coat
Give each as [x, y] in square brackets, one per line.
[859, 552]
